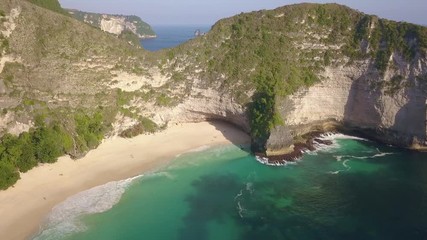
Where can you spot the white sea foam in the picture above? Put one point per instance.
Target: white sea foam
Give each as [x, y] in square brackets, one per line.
[347, 168]
[240, 209]
[159, 174]
[377, 155]
[199, 149]
[320, 147]
[194, 150]
[265, 161]
[333, 137]
[238, 195]
[345, 165]
[244, 193]
[250, 187]
[64, 218]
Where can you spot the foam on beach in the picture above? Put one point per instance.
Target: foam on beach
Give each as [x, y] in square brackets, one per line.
[64, 218]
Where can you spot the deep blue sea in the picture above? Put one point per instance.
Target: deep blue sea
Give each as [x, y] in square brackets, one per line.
[171, 36]
[353, 189]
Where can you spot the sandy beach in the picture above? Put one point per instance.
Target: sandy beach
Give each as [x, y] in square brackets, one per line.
[24, 207]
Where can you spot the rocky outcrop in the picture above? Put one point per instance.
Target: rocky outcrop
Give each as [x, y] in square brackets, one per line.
[115, 24]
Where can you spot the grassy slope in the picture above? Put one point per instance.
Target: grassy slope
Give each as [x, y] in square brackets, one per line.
[72, 106]
[52, 5]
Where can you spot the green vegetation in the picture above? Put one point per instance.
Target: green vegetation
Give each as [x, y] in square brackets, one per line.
[123, 97]
[394, 85]
[407, 39]
[59, 88]
[130, 37]
[256, 52]
[386, 37]
[142, 28]
[45, 143]
[90, 129]
[4, 44]
[258, 59]
[52, 5]
[145, 125]
[274, 53]
[164, 100]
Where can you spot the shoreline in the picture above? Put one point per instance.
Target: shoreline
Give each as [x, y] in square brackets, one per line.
[311, 143]
[25, 206]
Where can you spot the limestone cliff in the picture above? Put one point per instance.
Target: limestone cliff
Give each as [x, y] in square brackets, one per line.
[331, 68]
[115, 24]
[349, 99]
[318, 71]
[279, 74]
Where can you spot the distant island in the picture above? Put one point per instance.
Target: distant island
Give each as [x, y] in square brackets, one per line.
[115, 23]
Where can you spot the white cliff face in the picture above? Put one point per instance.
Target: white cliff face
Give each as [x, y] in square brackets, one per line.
[204, 104]
[6, 29]
[324, 100]
[9, 23]
[114, 25]
[201, 103]
[8, 120]
[208, 105]
[350, 96]
[117, 24]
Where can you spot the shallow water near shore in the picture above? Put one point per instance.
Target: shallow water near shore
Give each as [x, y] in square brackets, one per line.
[353, 189]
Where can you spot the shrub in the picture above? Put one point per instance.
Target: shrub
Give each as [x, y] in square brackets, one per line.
[144, 126]
[48, 144]
[90, 129]
[8, 175]
[27, 160]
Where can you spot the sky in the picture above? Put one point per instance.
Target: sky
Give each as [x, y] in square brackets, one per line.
[207, 12]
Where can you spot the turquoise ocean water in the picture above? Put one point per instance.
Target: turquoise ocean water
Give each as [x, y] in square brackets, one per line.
[354, 189]
[171, 36]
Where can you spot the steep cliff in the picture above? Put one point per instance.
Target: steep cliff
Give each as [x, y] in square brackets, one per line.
[307, 67]
[115, 24]
[278, 74]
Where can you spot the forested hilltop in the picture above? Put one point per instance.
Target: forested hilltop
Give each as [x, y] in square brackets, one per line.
[278, 74]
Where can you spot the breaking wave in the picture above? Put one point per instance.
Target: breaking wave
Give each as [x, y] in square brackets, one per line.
[265, 161]
[332, 137]
[246, 192]
[65, 218]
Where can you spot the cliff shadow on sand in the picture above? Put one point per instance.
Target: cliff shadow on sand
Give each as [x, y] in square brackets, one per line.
[233, 133]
